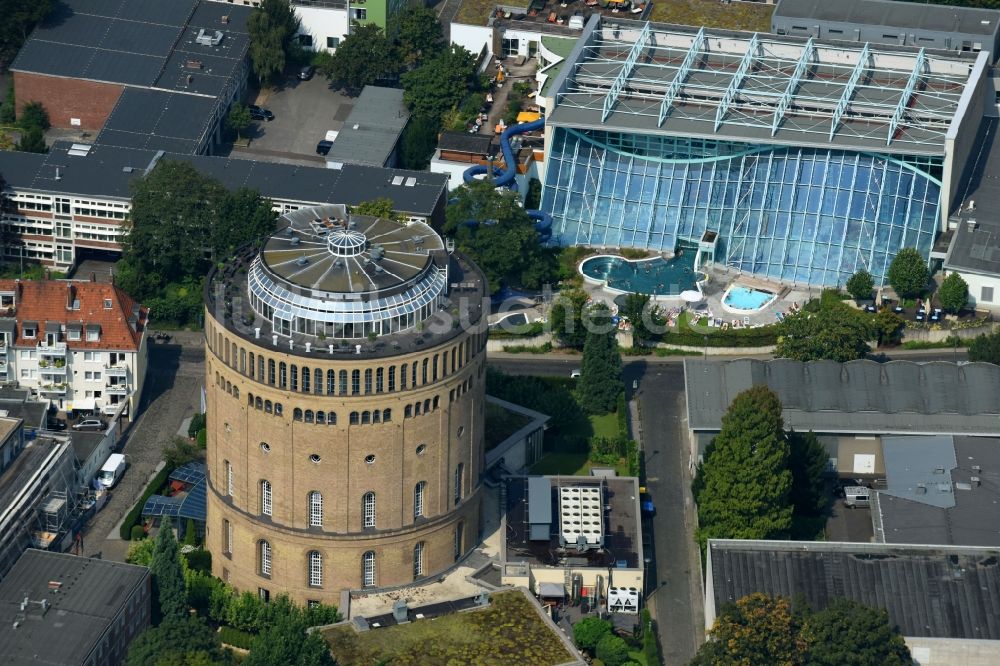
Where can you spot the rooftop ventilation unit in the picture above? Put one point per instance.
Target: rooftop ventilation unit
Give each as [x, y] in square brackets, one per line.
[581, 517]
[397, 180]
[80, 149]
[410, 182]
[193, 63]
[970, 224]
[207, 38]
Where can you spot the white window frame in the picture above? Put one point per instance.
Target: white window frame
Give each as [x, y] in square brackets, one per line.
[368, 509]
[368, 569]
[315, 569]
[265, 558]
[229, 478]
[419, 491]
[228, 536]
[458, 482]
[266, 498]
[418, 560]
[315, 509]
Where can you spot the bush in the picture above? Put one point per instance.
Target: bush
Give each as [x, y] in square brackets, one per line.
[133, 516]
[197, 424]
[7, 113]
[612, 650]
[202, 438]
[745, 337]
[860, 285]
[138, 533]
[34, 116]
[199, 560]
[589, 631]
[235, 637]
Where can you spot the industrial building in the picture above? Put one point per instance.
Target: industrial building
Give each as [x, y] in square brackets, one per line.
[371, 133]
[63, 610]
[807, 159]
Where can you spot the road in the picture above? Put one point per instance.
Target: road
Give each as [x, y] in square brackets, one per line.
[174, 378]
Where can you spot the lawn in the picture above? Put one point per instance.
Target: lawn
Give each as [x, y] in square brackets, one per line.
[605, 425]
[578, 464]
[509, 632]
[502, 423]
[749, 16]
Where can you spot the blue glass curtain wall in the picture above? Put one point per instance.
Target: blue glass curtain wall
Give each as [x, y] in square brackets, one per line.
[803, 215]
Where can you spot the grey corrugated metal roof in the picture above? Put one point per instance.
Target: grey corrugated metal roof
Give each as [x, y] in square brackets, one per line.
[932, 591]
[372, 129]
[898, 397]
[539, 500]
[891, 13]
[92, 594]
[974, 518]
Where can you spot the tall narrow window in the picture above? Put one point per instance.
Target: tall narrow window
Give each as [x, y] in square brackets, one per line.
[368, 510]
[306, 379]
[331, 382]
[418, 499]
[315, 569]
[343, 382]
[318, 382]
[368, 380]
[270, 371]
[368, 569]
[423, 372]
[418, 560]
[434, 369]
[413, 374]
[295, 377]
[282, 375]
[229, 478]
[459, 529]
[458, 482]
[227, 537]
[392, 378]
[379, 380]
[265, 498]
[252, 365]
[315, 509]
[265, 558]
[355, 382]
[402, 376]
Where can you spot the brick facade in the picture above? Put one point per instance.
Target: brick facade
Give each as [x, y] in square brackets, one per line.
[64, 99]
[424, 447]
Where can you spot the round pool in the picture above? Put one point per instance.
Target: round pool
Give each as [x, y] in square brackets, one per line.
[656, 276]
[740, 298]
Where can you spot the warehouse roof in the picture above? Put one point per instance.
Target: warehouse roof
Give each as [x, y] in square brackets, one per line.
[898, 397]
[158, 120]
[372, 130]
[758, 88]
[890, 13]
[932, 591]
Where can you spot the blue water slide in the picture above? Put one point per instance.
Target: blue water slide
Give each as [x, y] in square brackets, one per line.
[505, 177]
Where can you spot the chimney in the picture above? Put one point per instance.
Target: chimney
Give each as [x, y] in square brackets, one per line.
[69, 295]
[58, 175]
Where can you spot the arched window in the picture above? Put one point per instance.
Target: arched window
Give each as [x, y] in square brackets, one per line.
[331, 382]
[386, 415]
[416, 409]
[309, 416]
[368, 380]
[418, 499]
[444, 363]
[418, 560]
[423, 372]
[459, 469]
[265, 557]
[343, 382]
[266, 505]
[434, 369]
[229, 478]
[321, 417]
[259, 403]
[368, 569]
[331, 418]
[459, 529]
[354, 418]
[270, 371]
[392, 378]
[376, 416]
[413, 374]
[368, 510]
[236, 392]
[355, 382]
[295, 377]
[249, 399]
[379, 380]
[402, 377]
[315, 509]
[267, 407]
[252, 365]
[260, 369]
[407, 411]
[296, 414]
[315, 569]
[318, 382]
[278, 409]
[243, 361]
[282, 375]
[437, 401]
[366, 417]
[306, 379]
[427, 405]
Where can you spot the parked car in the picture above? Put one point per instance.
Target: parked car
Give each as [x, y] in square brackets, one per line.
[323, 147]
[111, 471]
[306, 73]
[89, 424]
[260, 113]
[574, 374]
[55, 424]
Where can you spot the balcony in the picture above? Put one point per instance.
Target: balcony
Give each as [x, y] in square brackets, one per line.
[119, 370]
[47, 368]
[116, 389]
[52, 349]
[52, 389]
[110, 409]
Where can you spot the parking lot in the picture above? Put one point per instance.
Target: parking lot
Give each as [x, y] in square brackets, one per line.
[303, 113]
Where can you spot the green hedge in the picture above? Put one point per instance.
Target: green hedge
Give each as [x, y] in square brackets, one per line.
[748, 337]
[528, 330]
[133, 516]
[235, 637]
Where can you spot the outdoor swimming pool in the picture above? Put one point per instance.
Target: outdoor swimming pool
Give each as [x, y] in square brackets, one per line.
[746, 299]
[657, 276]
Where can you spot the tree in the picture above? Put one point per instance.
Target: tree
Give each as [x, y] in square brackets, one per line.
[985, 348]
[33, 115]
[418, 34]
[860, 285]
[908, 273]
[847, 633]
[19, 19]
[441, 83]
[285, 642]
[420, 138]
[588, 632]
[381, 207]
[755, 630]
[808, 462]
[168, 573]
[141, 552]
[601, 368]
[836, 332]
[238, 119]
[645, 317]
[176, 641]
[612, 650]
[566, 317]
[272, 28]
[953, 293]
[742, 487]
[493, 229]
[32, 141]
[364, 58]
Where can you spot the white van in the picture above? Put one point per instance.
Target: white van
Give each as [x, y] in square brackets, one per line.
[111, 471]
[857, 496]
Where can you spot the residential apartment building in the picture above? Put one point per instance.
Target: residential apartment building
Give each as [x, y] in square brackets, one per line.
[80, 345]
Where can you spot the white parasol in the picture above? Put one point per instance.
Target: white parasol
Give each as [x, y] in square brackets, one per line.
[691, 296]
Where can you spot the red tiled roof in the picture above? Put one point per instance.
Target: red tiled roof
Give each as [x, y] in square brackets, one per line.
[44, 301]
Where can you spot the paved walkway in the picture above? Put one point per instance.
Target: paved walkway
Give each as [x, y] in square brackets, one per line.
[173, 384]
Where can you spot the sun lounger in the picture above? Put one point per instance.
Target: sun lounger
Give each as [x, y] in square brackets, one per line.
[780, 316]
[711, 323]
[725, 327]
[746, 320]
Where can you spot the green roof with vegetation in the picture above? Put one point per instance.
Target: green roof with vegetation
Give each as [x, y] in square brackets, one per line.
[477, 12]
[509, 632]
[750, 16]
